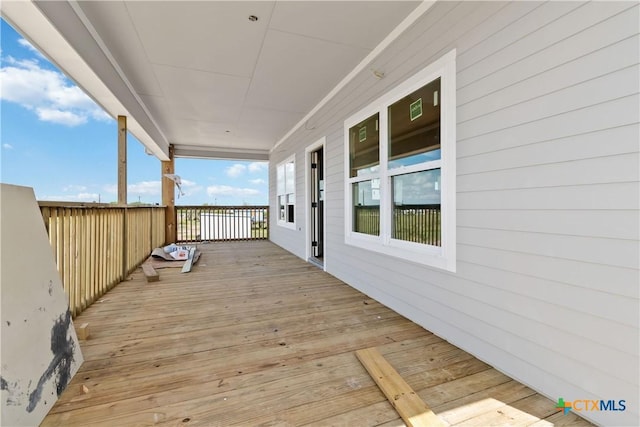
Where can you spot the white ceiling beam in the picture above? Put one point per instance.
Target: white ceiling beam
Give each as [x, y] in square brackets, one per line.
[201, 152]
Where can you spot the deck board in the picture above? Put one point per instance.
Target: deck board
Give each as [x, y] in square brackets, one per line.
[255, 336]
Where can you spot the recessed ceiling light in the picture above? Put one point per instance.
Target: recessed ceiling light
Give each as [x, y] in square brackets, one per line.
[253, 18]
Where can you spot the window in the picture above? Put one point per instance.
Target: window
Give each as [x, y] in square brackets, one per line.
[414, 165]
[401, 170]
[364, 156]
[286, 180]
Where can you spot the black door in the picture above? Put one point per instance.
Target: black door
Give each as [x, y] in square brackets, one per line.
[317, 203]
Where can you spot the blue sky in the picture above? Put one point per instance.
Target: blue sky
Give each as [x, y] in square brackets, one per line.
[55, 139]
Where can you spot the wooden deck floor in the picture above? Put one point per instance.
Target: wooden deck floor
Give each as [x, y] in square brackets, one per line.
[254, 336]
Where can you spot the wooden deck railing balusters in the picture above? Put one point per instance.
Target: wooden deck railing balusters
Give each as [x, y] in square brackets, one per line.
[100, 251]
[413, 223]
[95, 246]
[221, 223]
[66, 268]
[75, 262]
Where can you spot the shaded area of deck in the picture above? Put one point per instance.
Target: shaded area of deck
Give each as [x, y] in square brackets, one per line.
[256, 336]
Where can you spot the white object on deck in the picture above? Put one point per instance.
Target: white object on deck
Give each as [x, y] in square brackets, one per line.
[187, 265]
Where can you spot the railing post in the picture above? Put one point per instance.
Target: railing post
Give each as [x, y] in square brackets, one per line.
[125, 244]
[122, 160]
[168, 198]
[151, 229]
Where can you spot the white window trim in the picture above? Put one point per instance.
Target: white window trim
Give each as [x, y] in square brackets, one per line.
[281, 223]
[443, 257]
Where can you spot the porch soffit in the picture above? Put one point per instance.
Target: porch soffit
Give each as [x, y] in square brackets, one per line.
[201, 75]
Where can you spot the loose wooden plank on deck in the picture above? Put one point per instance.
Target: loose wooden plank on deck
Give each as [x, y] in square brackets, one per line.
[150, 273]
[82, 331]
[411, 408]
[187, 265]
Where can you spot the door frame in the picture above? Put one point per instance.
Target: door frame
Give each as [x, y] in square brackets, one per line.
[321, 143]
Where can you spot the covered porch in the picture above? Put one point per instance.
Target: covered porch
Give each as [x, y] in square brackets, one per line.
[254, 335]
[534, 243]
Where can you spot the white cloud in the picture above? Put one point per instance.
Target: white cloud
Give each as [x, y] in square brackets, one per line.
[46, 92]
[238, 169]
[257, 181]
[255, 167]
[74, 193]
[7, 146]
[88, 196]
[225, 190]
[150, 188]
[80, 197]
[25, 43]
[68, 118]
[153, 188]
[235, 170]
[74, 188]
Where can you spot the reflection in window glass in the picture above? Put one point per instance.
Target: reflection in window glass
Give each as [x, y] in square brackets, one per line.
[281, 208]
[290, 212]
[366, 207]
[280, 180]
[414, 127]
[290, 175]
[416, 169]
[416, 207]
[364, 152]
[286, 189]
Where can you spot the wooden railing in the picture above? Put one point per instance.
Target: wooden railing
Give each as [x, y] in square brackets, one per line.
[96, 246]
[220, 223]
[366, 219]
[417, 223]
[413, 223]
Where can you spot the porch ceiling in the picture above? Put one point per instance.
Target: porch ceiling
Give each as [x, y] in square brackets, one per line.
[201, 75]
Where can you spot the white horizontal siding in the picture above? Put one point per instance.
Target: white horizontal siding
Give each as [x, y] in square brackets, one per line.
[595, 196]
[593, 63]
[593, 306]
[608, 224]
[621, 168]
[548, 197]
[444, 26]
[581, 275]
[600, 143]
[613, 252]
[518, 23]
[611, 114]
[592, 92]
[566, 36]
[535, 299]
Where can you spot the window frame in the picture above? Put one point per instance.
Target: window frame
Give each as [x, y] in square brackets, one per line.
[289, 195]
[368, 174]
[444, 256]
